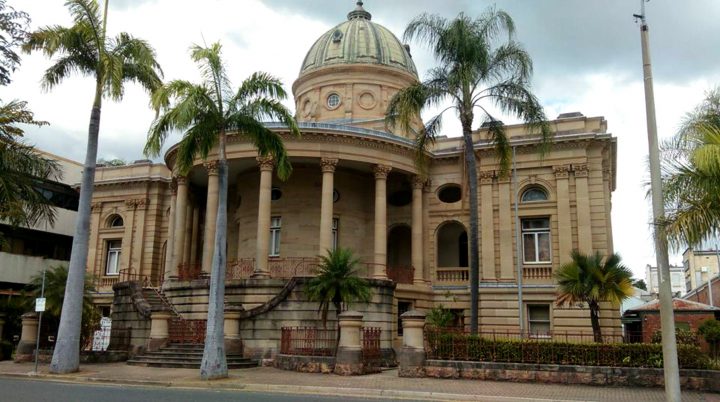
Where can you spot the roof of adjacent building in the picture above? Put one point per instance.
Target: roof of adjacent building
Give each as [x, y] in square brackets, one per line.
[678, 305]
[358, 41]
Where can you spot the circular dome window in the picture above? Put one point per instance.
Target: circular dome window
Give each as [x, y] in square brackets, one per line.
[333, 101]
[450, 193]
[400, 198]
[275, 193]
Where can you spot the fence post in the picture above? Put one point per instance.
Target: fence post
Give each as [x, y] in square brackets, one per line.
[28, 338]
[348, 358]
[159, 333]
[412, 356]
[233, 342]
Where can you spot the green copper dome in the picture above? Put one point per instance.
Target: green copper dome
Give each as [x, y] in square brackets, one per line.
[358, 41]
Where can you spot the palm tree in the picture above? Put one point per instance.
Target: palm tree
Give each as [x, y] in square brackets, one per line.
[589, 279]
[206, 112]
[85, 49]
[337, 283]
[22, 169]
[691, 175]
[480, 65]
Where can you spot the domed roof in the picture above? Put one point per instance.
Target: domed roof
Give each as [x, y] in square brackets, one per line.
[358, 41]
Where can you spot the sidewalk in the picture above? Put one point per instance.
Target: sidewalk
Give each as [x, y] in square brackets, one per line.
[385, 385]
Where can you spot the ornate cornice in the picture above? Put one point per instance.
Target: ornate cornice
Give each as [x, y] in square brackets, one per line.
[381, 171]
[327, 165]
[266, 163]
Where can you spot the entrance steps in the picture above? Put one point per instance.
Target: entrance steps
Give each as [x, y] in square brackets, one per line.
[185, 355]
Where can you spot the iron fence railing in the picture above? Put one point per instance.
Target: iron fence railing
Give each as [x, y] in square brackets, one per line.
[401, 274]
[370, 338]
[308, 341]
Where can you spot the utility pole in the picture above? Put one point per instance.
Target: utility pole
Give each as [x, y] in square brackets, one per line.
[667, 321]
[40, 309]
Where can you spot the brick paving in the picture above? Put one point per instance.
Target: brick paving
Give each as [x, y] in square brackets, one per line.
[386, 385]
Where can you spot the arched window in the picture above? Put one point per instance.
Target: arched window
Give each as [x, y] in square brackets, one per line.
[116, 221]
[534, 194]
[452, 245]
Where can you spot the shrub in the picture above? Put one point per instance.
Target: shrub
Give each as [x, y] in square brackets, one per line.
[710, 331]
[440, 317]
[682, 337]
[457, 346]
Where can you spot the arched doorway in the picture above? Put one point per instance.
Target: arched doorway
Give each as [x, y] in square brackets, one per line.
[452, 245]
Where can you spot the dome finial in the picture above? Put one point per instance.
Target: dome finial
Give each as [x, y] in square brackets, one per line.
[359, 12]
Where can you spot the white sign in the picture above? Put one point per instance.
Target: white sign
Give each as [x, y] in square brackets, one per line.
[105, 322]
[39, 304]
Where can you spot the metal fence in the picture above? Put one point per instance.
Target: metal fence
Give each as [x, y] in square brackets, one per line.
[370, 338]
[308, 341]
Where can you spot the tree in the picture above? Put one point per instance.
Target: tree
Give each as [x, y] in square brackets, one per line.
[55, 282]
[206, 112]
[640, 284]
[710, 331]
[85, 49]
[21, 203]
[13, 32]
[337, 283]
[480, 65]
[691, 176]
[592, 279]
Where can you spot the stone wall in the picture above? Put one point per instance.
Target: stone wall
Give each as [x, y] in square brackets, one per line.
[130, 312]
[701, 380]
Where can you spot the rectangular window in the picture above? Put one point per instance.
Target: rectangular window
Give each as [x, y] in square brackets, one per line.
[536, 240]
[538, 319]
[112, 261]
[275, 226]
[698, 278]
[403, 307]
[335, 226]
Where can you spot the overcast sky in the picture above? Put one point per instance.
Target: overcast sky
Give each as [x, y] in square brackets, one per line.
[586, 56]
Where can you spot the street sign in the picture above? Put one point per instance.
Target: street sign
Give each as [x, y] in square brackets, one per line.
[39, 304]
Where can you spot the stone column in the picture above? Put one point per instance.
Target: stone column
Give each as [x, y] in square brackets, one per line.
[412, 356]
[487, 241]
[562, 174]
[28, 338]
[326, 204]
[194, 233]
[233, 342]
[417, 231]
[211, 208]
[179, 229]
[507, 267]
[427, 233]
[380, 249]
[188, 233]
[348, 360]
[159, 330]
[584, 224]
[263, 226]
[170, 268]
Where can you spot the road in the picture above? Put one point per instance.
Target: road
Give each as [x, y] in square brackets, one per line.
[19, 390]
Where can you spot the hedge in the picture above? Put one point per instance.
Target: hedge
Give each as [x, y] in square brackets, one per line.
[453, 346]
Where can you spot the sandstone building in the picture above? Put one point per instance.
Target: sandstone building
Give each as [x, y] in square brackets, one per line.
[355, 185]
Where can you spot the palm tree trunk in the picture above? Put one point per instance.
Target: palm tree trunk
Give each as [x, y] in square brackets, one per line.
[473, 236]
[66, 357]
[595, 321]
[214, 362]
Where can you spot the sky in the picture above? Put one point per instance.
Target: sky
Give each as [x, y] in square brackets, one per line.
[586, 58]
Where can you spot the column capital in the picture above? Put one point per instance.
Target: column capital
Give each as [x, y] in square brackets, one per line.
[266, 163]
[418, 182]
[561, 171]
[173, 186]
[180, 180]
[328, 165]
[211, 167]
[96, 207]
[137, 203]
[486, 176]
[428, 186]
[381, 171]
[581, 170]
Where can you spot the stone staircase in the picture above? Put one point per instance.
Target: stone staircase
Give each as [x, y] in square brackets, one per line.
[185, 355]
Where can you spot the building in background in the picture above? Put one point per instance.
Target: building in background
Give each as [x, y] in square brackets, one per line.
[700, 264]
[677, 279]
[27, 250]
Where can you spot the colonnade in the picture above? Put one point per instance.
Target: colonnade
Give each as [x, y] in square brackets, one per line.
[184, 226]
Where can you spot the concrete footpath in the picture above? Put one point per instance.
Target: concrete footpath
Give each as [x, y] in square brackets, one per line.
[386, 385]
